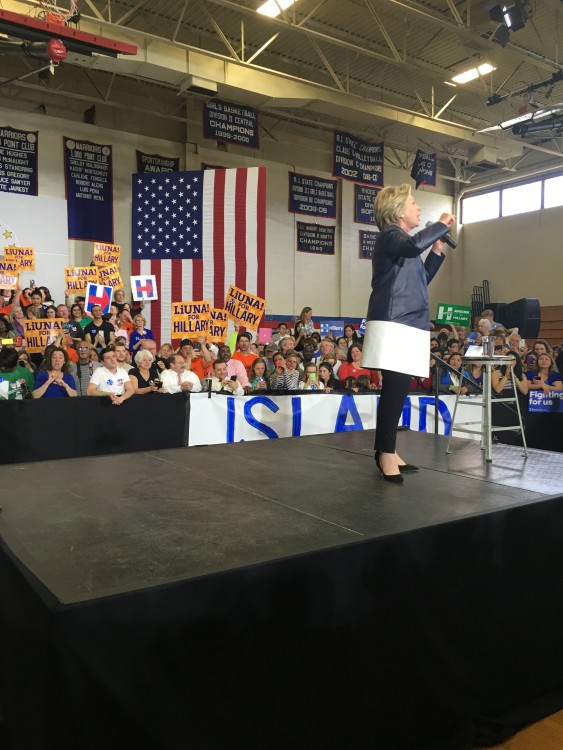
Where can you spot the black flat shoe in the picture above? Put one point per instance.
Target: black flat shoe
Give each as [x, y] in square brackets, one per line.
[407, 468]
[395, 478]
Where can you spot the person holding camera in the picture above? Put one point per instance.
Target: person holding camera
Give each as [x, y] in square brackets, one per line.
[222, 382]
[145, 377]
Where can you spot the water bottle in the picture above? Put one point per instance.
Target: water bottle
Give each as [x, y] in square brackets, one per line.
[488, 346]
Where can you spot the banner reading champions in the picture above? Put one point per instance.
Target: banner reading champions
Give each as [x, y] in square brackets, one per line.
[18, 161]
[357, 160]
[315, 238]
[89, 190]
[312, 195]
[233, 123]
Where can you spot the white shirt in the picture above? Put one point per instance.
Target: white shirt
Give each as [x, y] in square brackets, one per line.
[170, 382]
[109, 382]
[217, 385]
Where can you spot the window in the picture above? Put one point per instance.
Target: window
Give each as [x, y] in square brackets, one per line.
[521, 198]
[553, 192]
[480, 207]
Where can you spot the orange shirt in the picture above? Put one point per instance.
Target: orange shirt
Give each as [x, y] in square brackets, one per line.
[199, 367]
[246, 359]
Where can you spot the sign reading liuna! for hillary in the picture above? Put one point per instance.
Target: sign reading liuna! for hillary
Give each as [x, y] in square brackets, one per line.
[456, 314]
[190, 318]
[244, 307]
[24, 256]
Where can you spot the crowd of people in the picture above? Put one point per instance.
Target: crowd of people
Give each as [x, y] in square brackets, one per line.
[116, 356]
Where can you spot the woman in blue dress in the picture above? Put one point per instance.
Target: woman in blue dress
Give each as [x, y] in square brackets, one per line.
[53, 380]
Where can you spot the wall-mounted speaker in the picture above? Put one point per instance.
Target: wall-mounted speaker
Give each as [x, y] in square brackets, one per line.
[526, 315]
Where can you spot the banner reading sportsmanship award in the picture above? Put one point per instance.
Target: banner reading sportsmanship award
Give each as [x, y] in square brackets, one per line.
[41, 332]
[77, 278]
[18, 161]
[357, 160]
[315, 238]
[367, 244]
[244, 307]
[89, 190]
[364, 198]
[156, 163]
[110, 276]
[190, 319]
[423, 170]
[312, 195]
[234, 123]
[106, 255]
[218, 323]
[23, 256]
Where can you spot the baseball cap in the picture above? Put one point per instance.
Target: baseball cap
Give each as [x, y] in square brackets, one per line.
[186, 342]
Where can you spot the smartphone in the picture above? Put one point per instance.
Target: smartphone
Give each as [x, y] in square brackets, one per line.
[197, 347]
[233, 377]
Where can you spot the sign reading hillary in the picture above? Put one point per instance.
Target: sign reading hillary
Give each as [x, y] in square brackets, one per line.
[156, 163]
[41, 332]
[230, 123]
[96, 294]
[143, 288]
[190, 319]
[18, 161]
[8, 279]
[312, 195]
[459, 315]
[357, 160]
[77, 278]
[423, 170]
[243, 307]
[110, 276]
[315, 238]
[89, 190]
[218, 323]
[364, 198]
[106, 254]
[24, 256]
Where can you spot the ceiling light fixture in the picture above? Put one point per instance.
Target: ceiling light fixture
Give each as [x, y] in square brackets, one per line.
[473, 73]
[272, 8]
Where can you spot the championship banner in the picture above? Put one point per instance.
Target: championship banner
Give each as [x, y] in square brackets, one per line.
[315, 238]
[218, 323]
[456, 314]
[18, 161]
[367, 244]
[231, 419]
[357, 160]
[9, 279]
[143, 288]
[546, 403]
[364, 198]
[106, 255]
[423, 170]
[89, 190]
[244, 307]
[110, 276]
[190, 319]
[96, 294]
[230, 123]
[77, 278]
[156, 163]
[24, 256]
[312, 195]
[40, 333]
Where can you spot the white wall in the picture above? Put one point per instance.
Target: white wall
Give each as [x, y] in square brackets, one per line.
[335, 286]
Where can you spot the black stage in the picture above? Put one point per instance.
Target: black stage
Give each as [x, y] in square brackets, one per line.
[279, 595]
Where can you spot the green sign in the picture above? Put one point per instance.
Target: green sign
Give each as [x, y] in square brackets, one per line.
[456, 314]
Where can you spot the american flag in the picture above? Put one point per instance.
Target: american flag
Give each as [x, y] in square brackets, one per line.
[198, 232]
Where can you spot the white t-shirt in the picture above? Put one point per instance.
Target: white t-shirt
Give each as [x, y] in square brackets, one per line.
[110, 382]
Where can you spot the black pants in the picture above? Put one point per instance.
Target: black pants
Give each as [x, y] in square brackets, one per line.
[393, 394]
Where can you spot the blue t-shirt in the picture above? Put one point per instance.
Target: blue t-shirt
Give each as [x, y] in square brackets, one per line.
[54, 390]
[552, 378]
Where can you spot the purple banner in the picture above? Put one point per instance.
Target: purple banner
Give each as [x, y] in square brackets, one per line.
[364, 198]
[315, 238]
[156, 163]
[230, 123]
[312, 195]
[18, 161]
[89, 190]
[357, 160]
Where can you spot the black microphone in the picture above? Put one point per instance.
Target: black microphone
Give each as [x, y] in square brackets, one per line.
[446, 238]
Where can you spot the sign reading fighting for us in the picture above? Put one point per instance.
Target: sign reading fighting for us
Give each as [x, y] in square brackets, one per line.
[233, 123]
[546, 403]
[233, 419]
[357, 160]
[312, 195]
[18, 161]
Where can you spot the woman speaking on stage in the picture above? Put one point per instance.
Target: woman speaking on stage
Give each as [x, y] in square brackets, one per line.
[397, 339]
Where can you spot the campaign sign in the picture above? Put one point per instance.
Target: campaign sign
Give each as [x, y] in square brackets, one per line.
[96, 294]
[89, 190]
[362, 328]
[41, 332]
[547, 403]
[143, 288]
[357, 160]
[18, 161]
[456, 314]
[156, 163]
[218, 323]
[190, 319]
[315, 238]
[312, 195]
[110, 276]
[9, 279]
[232, 123]
[243, 307]
[334, 328]
[24, 256]
[423, 170]
[364, 198]
[367, 244]
[77, 278]
[106, 255]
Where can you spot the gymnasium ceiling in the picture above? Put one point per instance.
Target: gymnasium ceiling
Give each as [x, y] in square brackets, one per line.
[374, 67]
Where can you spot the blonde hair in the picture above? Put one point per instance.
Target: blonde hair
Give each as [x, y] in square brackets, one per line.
[390, 203]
